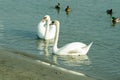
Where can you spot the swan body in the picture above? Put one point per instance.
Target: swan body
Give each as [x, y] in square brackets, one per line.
[41, 29]
[44, 28]
[74, 48]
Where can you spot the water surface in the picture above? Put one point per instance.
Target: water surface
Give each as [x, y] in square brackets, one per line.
[86, 22]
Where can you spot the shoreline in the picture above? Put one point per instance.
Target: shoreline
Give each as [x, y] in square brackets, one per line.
[15, 66]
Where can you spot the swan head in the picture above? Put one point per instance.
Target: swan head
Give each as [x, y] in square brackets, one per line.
[55, 22]
[46, 18]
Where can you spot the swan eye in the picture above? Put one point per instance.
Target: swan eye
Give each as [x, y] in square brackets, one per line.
[53, 22]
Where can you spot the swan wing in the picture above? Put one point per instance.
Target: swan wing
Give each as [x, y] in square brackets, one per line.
[41, 29]
[71, 49]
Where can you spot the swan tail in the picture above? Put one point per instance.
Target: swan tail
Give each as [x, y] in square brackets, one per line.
[86, 49]
[90, 45]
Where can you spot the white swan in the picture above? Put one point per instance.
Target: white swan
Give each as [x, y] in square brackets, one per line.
[74, 48]
[44, 28]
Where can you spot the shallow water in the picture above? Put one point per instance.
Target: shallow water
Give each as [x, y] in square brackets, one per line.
[86, 22]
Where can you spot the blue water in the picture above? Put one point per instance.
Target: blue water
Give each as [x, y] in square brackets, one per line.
[86, 22]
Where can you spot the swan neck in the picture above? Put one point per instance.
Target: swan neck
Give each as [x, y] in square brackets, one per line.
[55, 48]
[47, 30]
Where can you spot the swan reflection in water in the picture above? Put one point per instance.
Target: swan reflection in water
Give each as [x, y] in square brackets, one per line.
[71, 60]
[42, 46]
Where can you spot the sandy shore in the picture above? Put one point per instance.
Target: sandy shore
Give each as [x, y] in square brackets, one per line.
[14, 66]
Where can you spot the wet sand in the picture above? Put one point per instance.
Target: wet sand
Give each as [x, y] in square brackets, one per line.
[15, 66]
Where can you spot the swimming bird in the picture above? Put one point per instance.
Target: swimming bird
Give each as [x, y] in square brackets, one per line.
[74, 48]
[109, 11]
[115, 20]
[44, 28]
[67, 9]
[57, 6]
